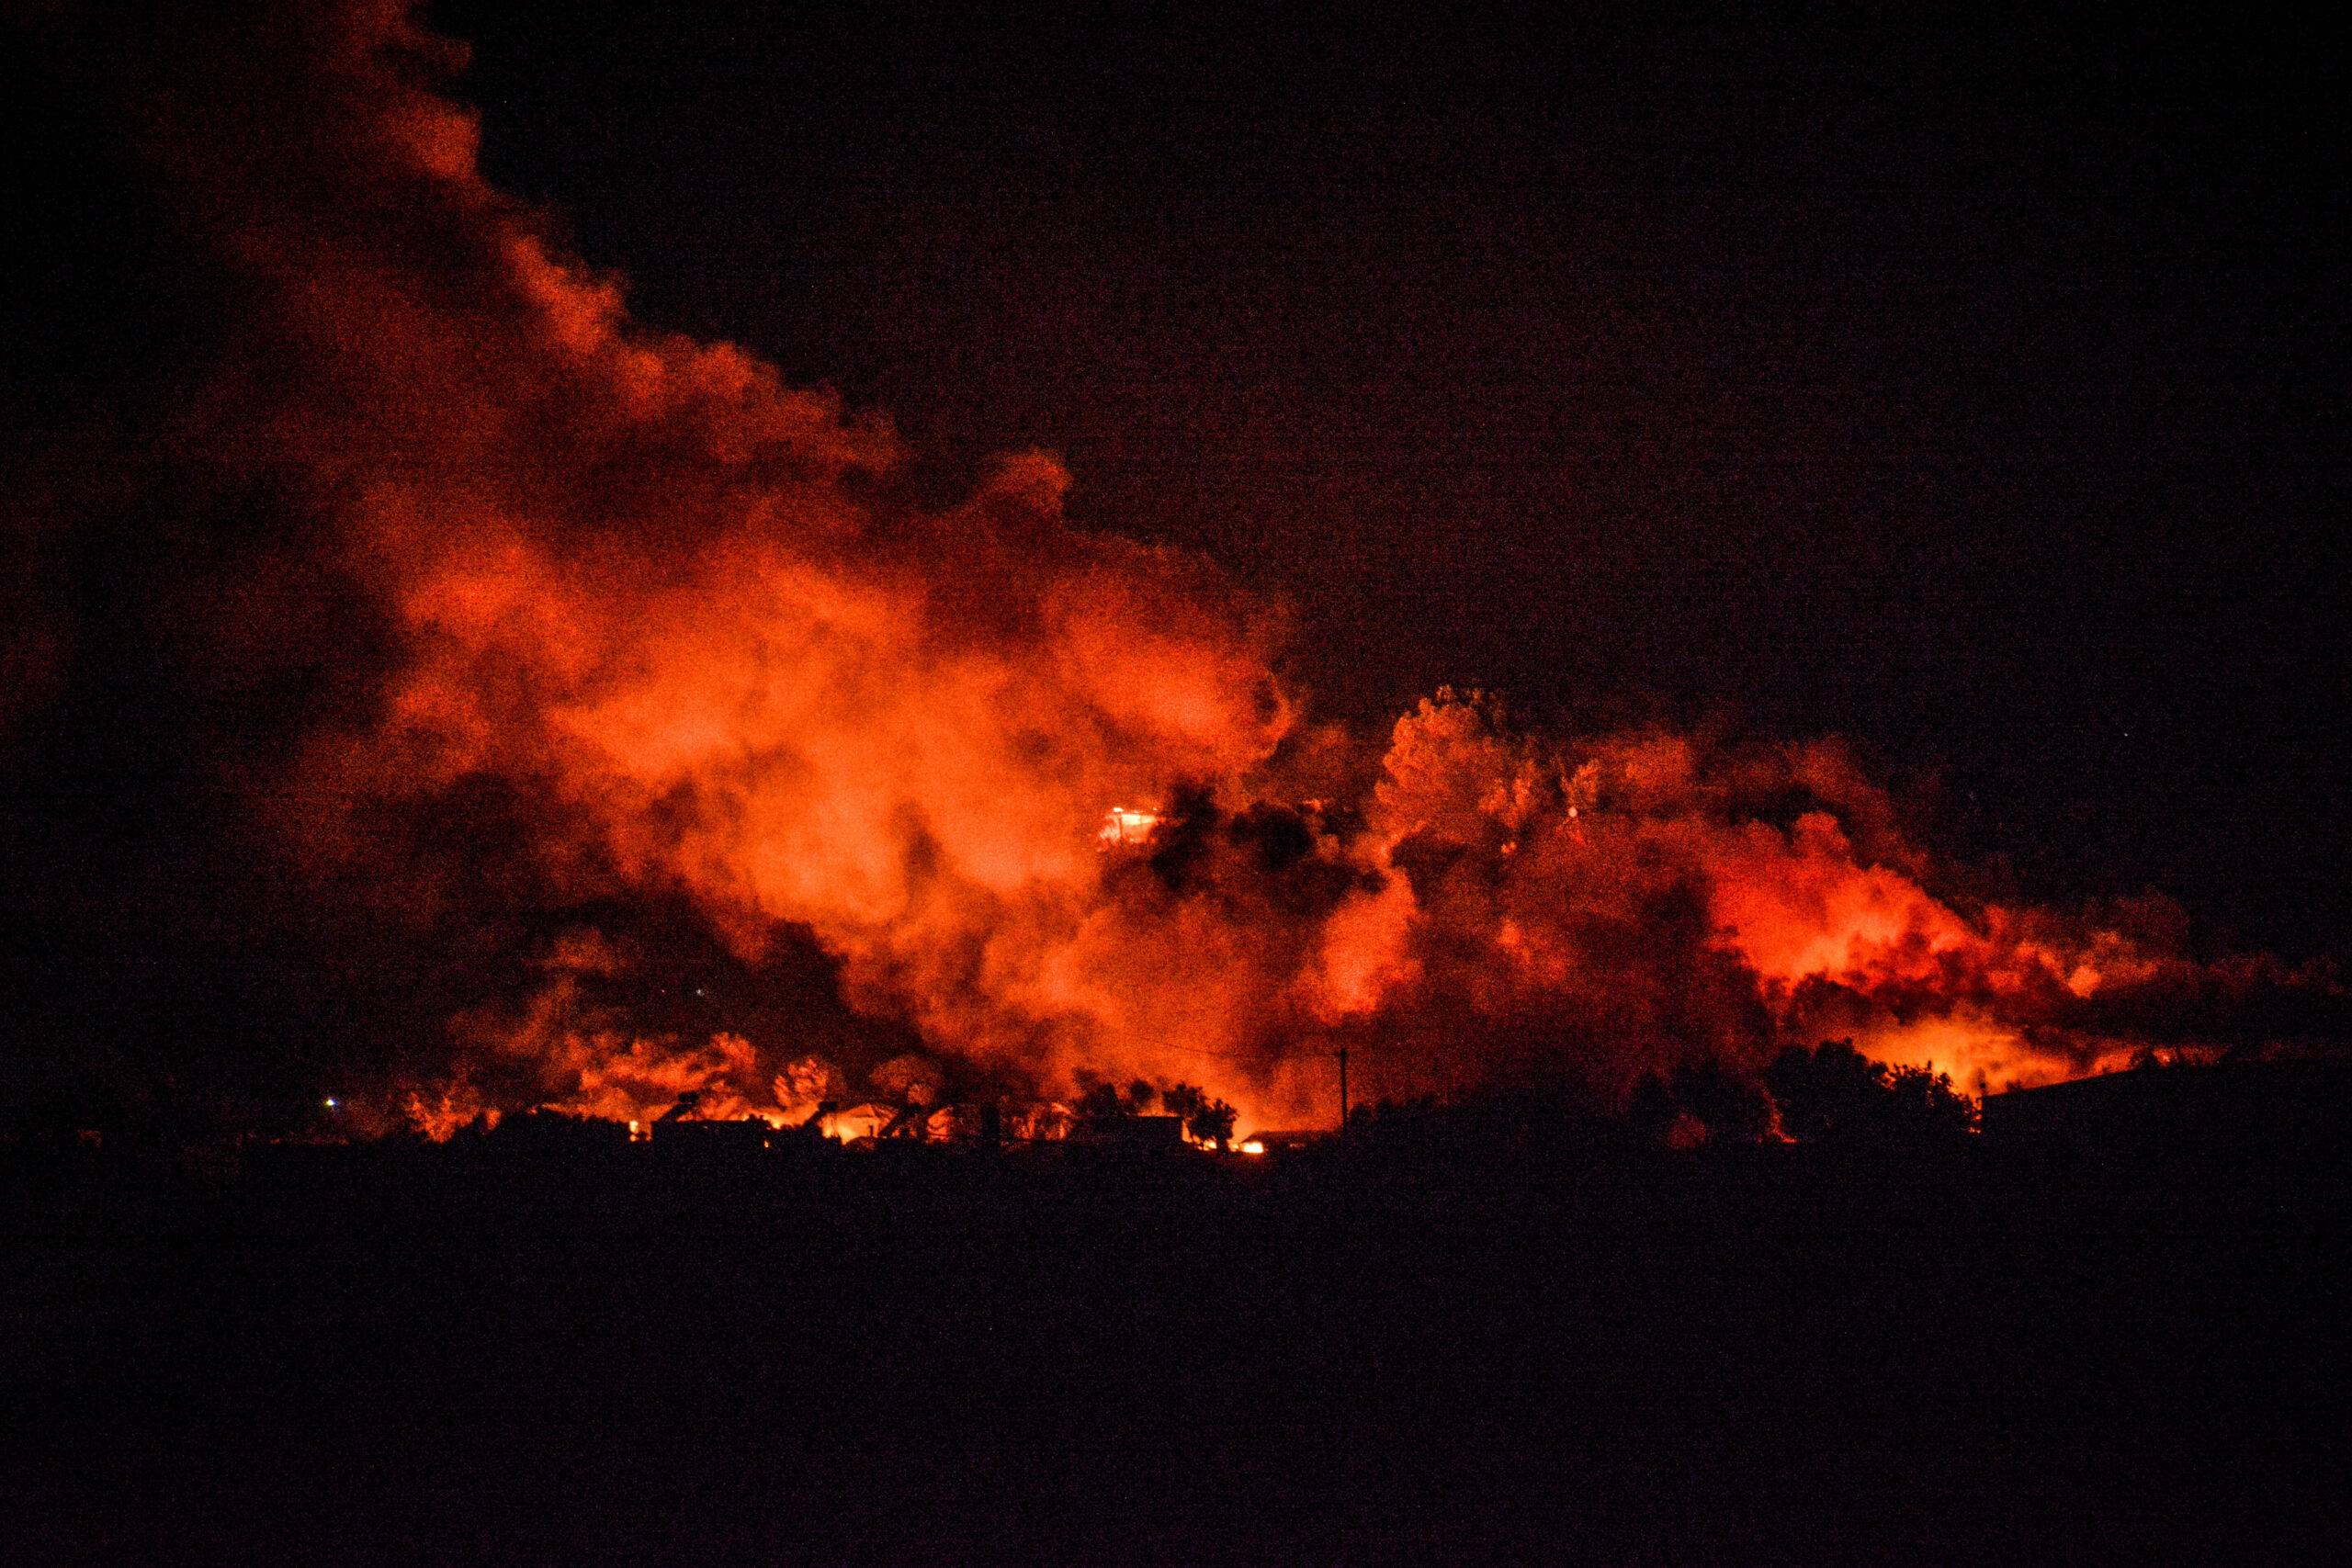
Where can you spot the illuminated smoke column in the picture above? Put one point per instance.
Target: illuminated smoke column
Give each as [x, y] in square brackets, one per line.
[690, 626]
[1627, 902]
[681, 613]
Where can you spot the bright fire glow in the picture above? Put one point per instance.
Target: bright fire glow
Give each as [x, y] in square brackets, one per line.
[1124, 829]
[643, 616]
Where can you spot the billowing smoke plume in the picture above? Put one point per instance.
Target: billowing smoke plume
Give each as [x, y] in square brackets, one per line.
[621, 618]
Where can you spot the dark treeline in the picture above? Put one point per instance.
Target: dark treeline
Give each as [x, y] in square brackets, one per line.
[1562, 1340]
[1829, 1097]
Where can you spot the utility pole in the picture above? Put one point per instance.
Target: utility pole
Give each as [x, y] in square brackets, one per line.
[1343, 1092]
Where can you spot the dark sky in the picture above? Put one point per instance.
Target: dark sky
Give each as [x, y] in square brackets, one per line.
[1965, 384]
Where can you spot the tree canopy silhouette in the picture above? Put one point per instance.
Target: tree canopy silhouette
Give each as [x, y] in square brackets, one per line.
[1835, 1094]
[1207, 1118]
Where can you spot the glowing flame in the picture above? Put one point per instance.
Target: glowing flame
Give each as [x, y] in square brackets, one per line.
[1125, 829]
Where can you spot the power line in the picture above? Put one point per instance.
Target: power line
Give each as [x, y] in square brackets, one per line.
[1253, 1057]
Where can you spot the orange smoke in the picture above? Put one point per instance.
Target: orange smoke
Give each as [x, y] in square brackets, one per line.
[1604, 905]
[685, 625]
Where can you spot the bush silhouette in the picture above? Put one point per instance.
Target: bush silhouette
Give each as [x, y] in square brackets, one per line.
[1835, 1094]
[1701, 1102]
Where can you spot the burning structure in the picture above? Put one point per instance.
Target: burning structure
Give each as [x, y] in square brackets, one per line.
[1124, 829]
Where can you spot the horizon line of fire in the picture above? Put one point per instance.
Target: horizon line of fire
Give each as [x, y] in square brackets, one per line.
[983, 1124]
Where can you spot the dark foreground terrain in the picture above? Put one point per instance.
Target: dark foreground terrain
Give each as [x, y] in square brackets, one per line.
[362, 1356]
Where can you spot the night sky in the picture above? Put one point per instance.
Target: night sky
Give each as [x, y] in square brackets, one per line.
[1965, 385]
[1962, 385]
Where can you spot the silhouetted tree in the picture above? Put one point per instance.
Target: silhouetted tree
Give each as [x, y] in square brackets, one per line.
[1923, 1104]
[1827, 1092]
[1732, 1108]
[1205, 1117]
[1102, 1100]
[1835, 1094]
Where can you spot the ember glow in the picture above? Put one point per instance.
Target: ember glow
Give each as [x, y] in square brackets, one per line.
[691, 630]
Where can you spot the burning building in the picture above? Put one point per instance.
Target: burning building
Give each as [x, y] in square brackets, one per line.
[1125, 829]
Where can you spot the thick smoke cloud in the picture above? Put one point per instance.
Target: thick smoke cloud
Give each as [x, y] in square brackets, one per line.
[621, 604]
[542, 620]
